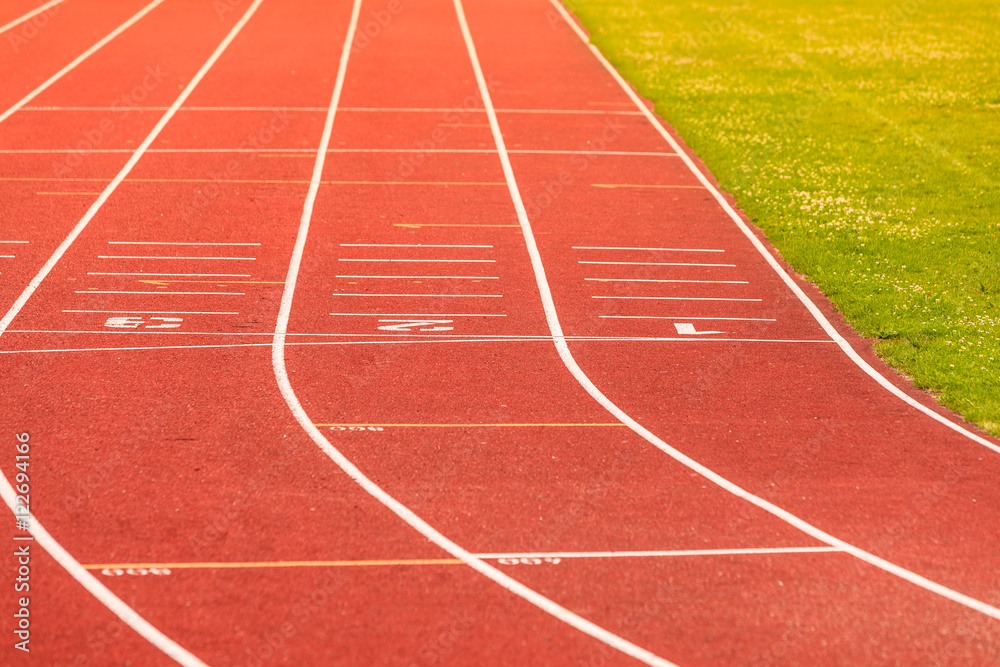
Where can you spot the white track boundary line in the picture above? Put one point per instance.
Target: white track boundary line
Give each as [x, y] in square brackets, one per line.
[79, 59]
[21, 19]
[60, 555]
[564, 353]
[765, 253]
[288, 393]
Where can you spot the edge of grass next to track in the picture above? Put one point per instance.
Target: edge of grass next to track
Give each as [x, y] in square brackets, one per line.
[862, 137]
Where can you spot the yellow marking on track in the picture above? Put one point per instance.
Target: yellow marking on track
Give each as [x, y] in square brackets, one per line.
[271, 564]
[639, 185]
[414, 225]
[468, 425]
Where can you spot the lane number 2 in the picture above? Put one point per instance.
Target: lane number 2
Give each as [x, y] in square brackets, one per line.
[416, 325]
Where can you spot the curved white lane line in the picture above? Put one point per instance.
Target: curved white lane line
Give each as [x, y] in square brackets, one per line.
[58, 553]
[802, 296]
[34, 12]
[79, 59]
[403, 512]
[564, 353]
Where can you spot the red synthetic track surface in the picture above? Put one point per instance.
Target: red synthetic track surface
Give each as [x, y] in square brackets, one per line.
[175, 448]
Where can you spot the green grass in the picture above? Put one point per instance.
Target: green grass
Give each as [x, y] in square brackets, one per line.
[862, 137]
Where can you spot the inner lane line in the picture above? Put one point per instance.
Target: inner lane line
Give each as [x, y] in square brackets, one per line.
[24, 17]
[14, 241]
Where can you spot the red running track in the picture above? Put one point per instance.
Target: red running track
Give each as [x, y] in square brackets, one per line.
[537, 394]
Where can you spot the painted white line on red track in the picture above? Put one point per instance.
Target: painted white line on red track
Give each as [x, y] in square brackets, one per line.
[288, 393]
[416, 315]
[586, 247]
[14, 241]
[674, 298]
[175, 275]
[162, 293]
[60, 555]
[663, 554]
[653, 263]
[764, 252]
[230, 259]
[24, 17]
[649, 436]
[408, 245]
[174, 243]
[79, 59]
[157, 312]
[460, 296]
[671, 317]
[429, 277]
[453, 261]
[662, 280]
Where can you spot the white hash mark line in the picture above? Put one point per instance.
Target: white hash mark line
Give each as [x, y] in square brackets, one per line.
[143, 627]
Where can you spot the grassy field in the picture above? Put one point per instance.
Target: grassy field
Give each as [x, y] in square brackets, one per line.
[862, 137]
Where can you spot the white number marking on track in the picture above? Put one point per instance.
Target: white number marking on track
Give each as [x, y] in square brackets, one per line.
[528, 561]
[421, 325]
[135, 571]
[687, 329]
[131, 322]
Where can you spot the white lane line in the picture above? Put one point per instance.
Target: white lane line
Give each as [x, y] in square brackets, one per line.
[288, 393]
[454, 261]
[659, 280]
[174, 243]
[430, 277]
[664, 317]
[14, 241]
[230, 259]
[595, 112]
[296, 152]
[673, 298]
[21, 19]
[663, 554]
[163, 293]
[588, 247]
[175, 275]
[653, 264]
[621, 153]
[408, 245]
[416, 315]
[468, 296]
[60, 555]
[7, 256]
[157, 312]
[682, 458]
[79, 59]
[768, 256]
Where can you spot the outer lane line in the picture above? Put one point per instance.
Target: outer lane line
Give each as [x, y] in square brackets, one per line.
[288, 393]
[674, 298]
[659, 280]
[21, 19]
[168, 646]
[174, 243]
[79, 59]
[154, 312]
[293, 152]
[174, 275]
[652, 438]
[653, 263]
[672, 317]
[588, 247]
[234, 259]
[764, 252]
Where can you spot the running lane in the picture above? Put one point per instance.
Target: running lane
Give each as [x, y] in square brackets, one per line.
[445, 400]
